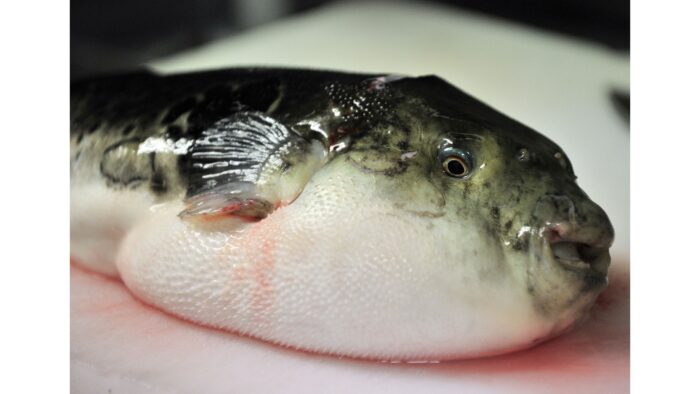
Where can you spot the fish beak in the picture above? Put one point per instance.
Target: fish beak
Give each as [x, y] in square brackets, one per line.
[585, 250]
[577, 233]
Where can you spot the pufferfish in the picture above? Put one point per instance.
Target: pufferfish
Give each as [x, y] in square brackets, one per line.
[381, 216]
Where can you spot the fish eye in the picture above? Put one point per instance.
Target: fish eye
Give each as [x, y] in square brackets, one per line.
[456, 163]
[455, 166]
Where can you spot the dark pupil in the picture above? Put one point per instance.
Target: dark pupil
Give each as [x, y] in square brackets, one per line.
[455, 167]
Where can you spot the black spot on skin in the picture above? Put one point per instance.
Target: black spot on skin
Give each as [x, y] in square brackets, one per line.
[403, 145]
[592, 282]
[94, 127]
[80, 138]
[174, 132]
[508, 225]
[286, 165]
[398, 169]
[520, 244]
[178, 109]
[158, 184]
[381, 142]
[128, 129]
[495, 213]
[466, 188]
[152, 161]
[183, 166]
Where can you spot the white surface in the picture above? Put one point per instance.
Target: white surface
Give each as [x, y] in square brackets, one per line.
[557, 86]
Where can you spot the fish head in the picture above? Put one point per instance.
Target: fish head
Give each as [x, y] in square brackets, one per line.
[501, 200]
[518, 188]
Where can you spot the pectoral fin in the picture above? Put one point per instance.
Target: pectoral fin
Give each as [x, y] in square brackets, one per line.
[237, 199]
[247, 165]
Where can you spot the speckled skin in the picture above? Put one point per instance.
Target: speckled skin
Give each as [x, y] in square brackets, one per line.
[520, 196]
[121, 112]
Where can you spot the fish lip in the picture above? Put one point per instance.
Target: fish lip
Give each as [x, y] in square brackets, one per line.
[579, 250]
[590, 259]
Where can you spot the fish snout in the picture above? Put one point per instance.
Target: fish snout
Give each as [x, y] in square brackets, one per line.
[578, 232]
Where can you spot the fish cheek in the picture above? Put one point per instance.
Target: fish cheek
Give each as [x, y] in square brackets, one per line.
[469, 216]
[415, 194]
[561, 297]
[510, 215]
[495, 202]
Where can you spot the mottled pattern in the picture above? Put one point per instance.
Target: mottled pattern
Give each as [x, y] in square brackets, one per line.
[115, 114]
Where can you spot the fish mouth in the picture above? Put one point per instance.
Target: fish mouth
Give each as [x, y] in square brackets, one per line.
[578, 253]
[581, 256]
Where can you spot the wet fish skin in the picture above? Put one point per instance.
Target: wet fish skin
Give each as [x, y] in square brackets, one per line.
[123, 111]
[502, 228]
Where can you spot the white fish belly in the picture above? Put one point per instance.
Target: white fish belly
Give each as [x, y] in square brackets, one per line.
[100, 218]
[337, 271]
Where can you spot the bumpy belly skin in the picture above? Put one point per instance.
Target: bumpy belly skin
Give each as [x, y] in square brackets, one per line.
[333, 273]
[120, 344]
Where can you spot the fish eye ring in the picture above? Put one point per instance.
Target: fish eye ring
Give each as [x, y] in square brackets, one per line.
[456, 163]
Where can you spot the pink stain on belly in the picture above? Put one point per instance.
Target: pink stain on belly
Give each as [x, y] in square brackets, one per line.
[263, 267]
[137, 342]
[259, 246]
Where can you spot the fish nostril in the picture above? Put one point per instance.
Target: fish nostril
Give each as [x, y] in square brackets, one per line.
[580, 249]
[557, 232]
[595, 235]
[574, 219]
[552, 235]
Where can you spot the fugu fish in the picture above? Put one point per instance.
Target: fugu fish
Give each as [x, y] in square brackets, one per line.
[373, 216]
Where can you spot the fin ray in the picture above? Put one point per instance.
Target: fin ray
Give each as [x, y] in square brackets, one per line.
[235, 167]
